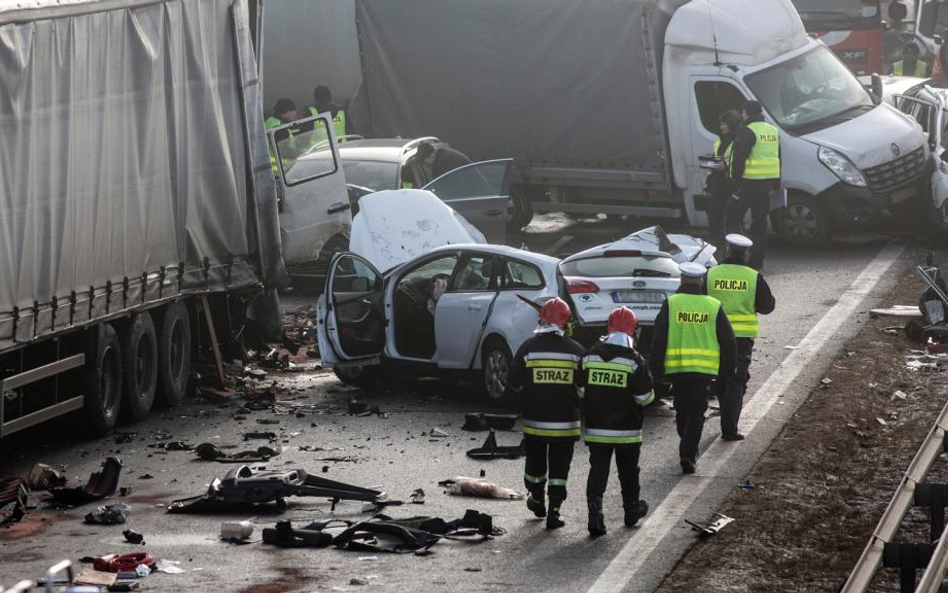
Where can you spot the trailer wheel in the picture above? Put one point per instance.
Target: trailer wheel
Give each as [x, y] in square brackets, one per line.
[174, 354]
[103, 379]
[140, 370]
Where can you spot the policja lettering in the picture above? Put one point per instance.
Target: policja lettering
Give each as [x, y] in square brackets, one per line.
[553, 376]
[686, 317]
[730, 285]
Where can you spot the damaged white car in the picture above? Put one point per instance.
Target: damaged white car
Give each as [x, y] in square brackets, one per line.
[448, 303]
[639, 271]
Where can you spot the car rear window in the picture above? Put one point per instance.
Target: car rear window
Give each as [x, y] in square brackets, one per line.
[375, 175]
[621, 267]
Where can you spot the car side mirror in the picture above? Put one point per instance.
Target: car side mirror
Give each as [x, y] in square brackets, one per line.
[876, 88]
[897, 11]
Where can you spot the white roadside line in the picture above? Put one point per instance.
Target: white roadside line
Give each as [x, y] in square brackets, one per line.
[624, 567]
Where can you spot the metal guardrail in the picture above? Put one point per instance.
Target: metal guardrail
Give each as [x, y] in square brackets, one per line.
[882, 549]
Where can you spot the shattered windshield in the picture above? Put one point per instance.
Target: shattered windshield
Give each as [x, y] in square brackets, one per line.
[812, 91]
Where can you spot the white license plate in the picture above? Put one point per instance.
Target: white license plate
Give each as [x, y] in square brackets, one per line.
[638, 296]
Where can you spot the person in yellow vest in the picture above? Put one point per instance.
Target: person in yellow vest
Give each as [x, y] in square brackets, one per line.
[284, 112]
[910, 64]
[718, 185]
[323, 103]
[755, 171]
[692, 345]
[744, 294]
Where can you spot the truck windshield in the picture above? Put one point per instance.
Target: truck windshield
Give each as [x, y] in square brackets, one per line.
[838, 15]
[810, 92]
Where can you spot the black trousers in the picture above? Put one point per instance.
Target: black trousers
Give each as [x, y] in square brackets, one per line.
[543, 456]
[627, 465]
[755, 196]
[691, 402]
[732, 399]
[717, 217]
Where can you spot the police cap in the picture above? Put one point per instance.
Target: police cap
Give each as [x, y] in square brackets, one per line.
[692, 270]
[738, 242]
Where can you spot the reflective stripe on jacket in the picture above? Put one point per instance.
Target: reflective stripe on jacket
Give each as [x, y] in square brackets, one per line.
[692, 335]
[615, 386]
[764, 159]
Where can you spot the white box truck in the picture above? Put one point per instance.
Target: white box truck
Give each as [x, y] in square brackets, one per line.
[606, 105]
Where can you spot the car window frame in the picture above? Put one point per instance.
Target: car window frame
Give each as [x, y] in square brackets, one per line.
[538, 269]
[493, 284]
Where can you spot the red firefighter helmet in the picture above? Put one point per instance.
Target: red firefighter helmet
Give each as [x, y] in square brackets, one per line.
[623, 320]
[555, 312]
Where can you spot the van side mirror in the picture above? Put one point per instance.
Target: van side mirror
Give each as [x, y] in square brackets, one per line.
[876, 88]
[897, 11]
[937, 39]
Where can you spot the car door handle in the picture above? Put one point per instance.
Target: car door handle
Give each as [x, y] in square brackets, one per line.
[474, 307]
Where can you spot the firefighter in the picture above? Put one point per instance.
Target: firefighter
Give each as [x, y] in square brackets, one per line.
[615, 385]
[693, 344]
[544, 372]
[744, 294]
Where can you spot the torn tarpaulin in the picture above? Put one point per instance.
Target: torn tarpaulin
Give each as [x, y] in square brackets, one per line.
[248, 486]
[101, 484]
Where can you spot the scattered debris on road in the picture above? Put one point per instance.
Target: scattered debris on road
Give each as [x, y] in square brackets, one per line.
[491, 450]
[713, 527]
[100, 485]
[113, 514]
[464, 486]
[479, 422]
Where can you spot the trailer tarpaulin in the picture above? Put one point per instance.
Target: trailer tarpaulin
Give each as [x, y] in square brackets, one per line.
[557, 82]
[123, 157]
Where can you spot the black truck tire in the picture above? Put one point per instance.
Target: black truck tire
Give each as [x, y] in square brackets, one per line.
[140, 368]
[174, 354]
[103, 379]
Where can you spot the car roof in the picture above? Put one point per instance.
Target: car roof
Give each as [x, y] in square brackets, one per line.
[379, 149]
[505, 250]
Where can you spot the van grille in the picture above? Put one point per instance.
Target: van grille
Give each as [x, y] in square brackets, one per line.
[897, 172]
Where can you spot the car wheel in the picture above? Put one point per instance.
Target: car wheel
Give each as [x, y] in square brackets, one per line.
[803, 222]
[496, 365]
[364, 377]
[522, 209]
[103, 379]
[140, 366]
[174, 354]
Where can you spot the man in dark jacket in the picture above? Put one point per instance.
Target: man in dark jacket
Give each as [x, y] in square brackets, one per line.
[615, 385]
[692, 344]
[756, 173]
[544, 372]
[440, 158]
[719, 186]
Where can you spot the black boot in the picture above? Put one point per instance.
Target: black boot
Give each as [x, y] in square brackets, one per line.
[634, 511]
[597, 523]
[536, 504]
[553, 519]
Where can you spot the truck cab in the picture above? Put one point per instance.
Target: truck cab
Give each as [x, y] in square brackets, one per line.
[848, 158]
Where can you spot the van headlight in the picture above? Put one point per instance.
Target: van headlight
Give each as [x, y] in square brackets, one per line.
[844, 168]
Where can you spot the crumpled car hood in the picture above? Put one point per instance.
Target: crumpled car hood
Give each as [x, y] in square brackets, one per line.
[395, 226]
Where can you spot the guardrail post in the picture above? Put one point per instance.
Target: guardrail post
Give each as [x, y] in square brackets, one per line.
[907, 558]
[935, 497]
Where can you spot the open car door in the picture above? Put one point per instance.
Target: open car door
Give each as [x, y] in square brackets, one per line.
[313, 197]
[480, 192]
[350, 323]
[940, 169]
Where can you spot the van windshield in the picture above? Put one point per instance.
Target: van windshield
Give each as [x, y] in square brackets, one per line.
[809, 92]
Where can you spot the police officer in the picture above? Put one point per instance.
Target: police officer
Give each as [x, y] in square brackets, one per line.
[755, 169]
[322, 102]
[744, 294]
[284, 112]
[544, 371]
[692, 345]
[615, 385]
[719, 184]
[910, 64]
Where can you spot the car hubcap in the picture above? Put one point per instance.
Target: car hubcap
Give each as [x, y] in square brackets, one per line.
[495, 372]
[801, 221]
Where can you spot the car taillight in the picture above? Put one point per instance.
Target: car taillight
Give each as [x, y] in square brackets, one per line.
[582, 287]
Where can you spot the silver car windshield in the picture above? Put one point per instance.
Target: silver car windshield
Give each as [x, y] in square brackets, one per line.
[809, 92]
[375, 175]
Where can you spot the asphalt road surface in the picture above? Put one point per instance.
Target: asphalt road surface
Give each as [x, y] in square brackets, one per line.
[822, 294]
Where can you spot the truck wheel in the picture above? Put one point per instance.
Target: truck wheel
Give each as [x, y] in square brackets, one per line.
[363, 377]
[496, 364]
[174, 354]
[803, 222]
[140, 368]
[522, 209]
[103, 379]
